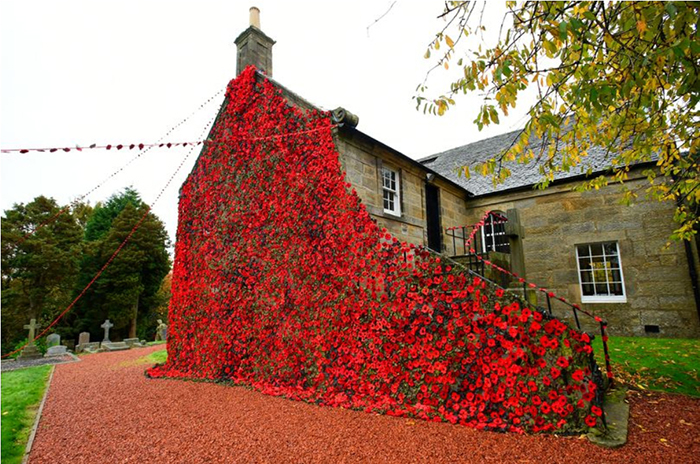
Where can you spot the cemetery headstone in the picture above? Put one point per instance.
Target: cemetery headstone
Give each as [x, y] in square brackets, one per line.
[31, 351]
[106, 325]
[53, 340]
[55, 348]
[83, 341]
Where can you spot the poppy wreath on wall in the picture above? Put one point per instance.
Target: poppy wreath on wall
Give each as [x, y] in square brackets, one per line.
[282, 281]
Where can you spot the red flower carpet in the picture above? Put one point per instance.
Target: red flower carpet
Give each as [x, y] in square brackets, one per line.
[283, 282]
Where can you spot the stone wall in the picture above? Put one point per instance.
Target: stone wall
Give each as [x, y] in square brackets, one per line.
[362, 159]
[656, 279]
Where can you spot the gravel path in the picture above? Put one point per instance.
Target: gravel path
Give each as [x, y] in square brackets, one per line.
[104, 410]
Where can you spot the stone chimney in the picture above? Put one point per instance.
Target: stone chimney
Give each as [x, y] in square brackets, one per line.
[254, 47]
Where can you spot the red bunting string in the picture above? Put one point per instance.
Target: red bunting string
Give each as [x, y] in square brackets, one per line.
[141, 146]
[104, 181]
[116, 252]
[94, 146]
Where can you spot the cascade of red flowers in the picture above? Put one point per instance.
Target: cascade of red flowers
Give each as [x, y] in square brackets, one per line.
[282, 281]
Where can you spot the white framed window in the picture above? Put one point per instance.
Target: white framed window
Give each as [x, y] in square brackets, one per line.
[391, 191]
[600, 273]
[493, 234]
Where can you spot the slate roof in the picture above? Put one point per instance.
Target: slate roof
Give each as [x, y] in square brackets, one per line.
[522, 175]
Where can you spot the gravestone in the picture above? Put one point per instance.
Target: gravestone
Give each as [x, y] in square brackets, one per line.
[53, 340]
[55, 348]
[31, 351]
[106, 325]
[83, 341]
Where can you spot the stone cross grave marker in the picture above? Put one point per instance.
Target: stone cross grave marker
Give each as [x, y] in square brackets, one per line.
[107, 325]
[53, 340]
[32, 326]
[30, 351]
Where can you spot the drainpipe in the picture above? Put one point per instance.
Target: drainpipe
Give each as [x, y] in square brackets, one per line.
[693, 274]
[692, 271]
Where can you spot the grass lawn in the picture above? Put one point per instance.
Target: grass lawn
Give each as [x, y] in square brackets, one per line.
[663, 364]
[22, 391]
[159, 356]
[156, 357]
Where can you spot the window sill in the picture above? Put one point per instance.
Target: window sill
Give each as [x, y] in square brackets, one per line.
[603, 299]
[391, 213]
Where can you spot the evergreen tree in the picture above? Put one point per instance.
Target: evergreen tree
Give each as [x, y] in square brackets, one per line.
[40, 261]
[127, 290]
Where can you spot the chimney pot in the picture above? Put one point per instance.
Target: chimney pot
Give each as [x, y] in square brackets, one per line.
[255, 16]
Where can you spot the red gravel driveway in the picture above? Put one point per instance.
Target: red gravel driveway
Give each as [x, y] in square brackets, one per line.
[104, 410]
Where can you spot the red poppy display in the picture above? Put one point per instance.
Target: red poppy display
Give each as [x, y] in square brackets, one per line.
[282, 281]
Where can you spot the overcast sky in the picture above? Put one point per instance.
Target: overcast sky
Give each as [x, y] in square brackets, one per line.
[107, 72]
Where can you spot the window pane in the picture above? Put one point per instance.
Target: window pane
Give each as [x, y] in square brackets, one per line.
[610, 248]
[388, 200]
[616, 288]
[609, 276]
[586, 276]
[597, 249]
[616, 275]
[613, 261]
[587, 289]
[583, 250]
[584, 263]
[597, 262]
[601, 289]
[599, 276]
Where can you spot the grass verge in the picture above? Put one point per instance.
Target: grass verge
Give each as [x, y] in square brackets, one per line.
[661, 364]
[159, 356]
[22, 391]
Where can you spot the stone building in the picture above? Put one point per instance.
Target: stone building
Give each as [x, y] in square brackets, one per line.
[610, 259]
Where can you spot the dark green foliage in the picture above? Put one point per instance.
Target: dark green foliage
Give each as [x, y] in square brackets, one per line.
[49, 258]
[40, 263]
[127, 291]
[102, 217]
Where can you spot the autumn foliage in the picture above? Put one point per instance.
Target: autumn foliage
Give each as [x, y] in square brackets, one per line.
[282, 281]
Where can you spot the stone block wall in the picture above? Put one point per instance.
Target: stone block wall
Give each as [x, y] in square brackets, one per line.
[657, 283]
[362, 161]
